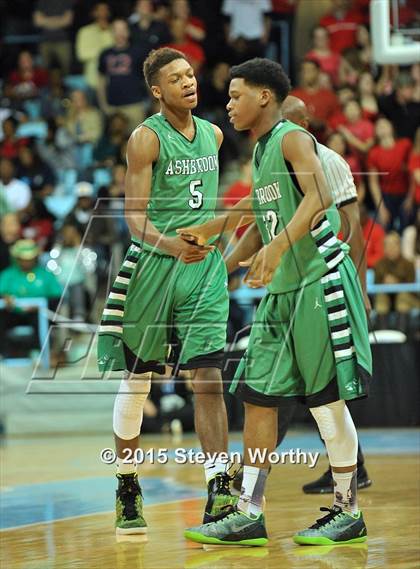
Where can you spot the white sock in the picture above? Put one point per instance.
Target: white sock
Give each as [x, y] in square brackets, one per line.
[252, 491]
[125, 467]
[345, 490]
[213, 467]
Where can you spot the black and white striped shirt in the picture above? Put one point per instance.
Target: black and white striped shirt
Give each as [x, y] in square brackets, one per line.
[338, 175]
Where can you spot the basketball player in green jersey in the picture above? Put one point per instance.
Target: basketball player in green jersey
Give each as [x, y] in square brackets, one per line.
[168, 289]
[309, 338]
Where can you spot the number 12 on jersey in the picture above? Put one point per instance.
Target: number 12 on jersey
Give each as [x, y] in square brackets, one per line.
[197, 197]
[271, 222]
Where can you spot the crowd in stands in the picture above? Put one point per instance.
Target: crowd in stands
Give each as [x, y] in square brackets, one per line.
[72, 91]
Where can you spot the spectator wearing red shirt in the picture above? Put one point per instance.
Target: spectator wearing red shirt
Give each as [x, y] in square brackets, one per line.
[342, 22]
[191, 49]
[362, 6]
[358, 132]
[240, 189]
[195, 28]
[374, 236]
[328, 60]
[322, 103]
[284, 7]
[10, 145]
[344, 94]
[337, 142]
[27, 80]
[388, 176]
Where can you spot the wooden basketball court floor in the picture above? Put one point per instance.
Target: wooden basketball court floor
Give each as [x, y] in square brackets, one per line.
[57, 501]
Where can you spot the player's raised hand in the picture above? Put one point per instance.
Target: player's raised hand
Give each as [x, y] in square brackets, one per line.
[185, 251]
[195, 234]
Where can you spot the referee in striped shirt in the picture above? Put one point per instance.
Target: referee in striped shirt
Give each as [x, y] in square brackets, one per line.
[344, 193]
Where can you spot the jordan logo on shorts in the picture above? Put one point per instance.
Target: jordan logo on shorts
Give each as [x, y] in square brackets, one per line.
[317, 305]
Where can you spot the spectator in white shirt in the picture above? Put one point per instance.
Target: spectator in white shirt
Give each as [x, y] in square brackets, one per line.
[249, 27]
[15, 193]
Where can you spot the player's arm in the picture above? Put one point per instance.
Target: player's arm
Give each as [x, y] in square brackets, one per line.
[237, 216]
[249, 243]
[350, 218]
[142, 152]
[298, 149]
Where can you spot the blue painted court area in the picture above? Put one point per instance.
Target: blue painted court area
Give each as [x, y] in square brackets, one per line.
[373, 441]
[36, 503]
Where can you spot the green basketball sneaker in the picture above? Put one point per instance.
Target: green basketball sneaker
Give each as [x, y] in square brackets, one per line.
[219, 497]
[337, 527]
[235, 528]
[129, 506]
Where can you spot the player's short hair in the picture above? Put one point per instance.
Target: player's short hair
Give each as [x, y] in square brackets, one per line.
[157, 59]
[261, 72]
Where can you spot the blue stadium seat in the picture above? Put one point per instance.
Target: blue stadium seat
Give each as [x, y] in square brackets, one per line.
[101, 177]
[33, 109]
[36, 129]
[84, 155]
[67, 179]
[74, 82]
[60, 206]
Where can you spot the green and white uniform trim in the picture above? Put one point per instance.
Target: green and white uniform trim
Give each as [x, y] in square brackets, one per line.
[276, 195]
[113, 313]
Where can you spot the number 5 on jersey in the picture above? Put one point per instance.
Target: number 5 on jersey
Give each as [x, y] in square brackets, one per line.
[197, 197]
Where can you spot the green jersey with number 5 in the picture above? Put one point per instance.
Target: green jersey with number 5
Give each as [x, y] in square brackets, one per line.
[185, 177]
[276, 195]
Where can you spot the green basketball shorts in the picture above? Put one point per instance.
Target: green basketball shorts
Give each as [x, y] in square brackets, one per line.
[311, 343]
[158, 302]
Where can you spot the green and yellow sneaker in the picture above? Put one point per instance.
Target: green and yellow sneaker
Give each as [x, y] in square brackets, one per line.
[219, 497]
[129, 506]
[235, 528]
[337, 527]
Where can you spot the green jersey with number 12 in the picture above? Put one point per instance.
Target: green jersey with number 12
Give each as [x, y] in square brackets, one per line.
[276, 196]
[185, 177]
